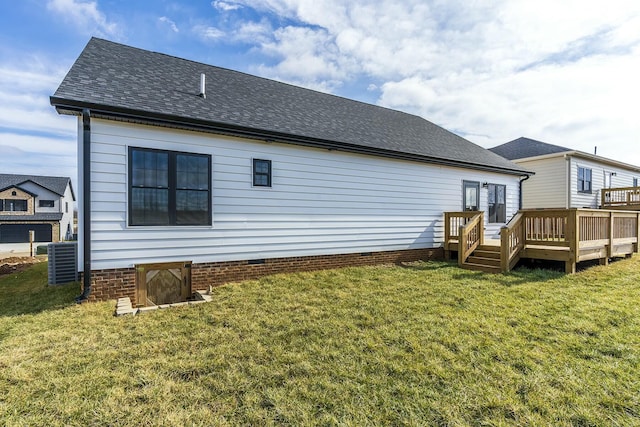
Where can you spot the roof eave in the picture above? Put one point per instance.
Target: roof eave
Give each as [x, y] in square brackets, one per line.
[65, 106]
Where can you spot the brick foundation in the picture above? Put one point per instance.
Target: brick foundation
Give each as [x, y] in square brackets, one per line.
[118, 283]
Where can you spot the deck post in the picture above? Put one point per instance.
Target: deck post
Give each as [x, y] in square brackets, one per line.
[638, 233]
[482, 227]
[447, 236]
[504, 249]
[610, 248]
[573, 225]
[462, 244]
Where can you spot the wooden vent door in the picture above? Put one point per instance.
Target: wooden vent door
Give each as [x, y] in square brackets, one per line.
[163, 283]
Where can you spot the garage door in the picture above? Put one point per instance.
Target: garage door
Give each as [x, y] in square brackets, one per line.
[19, 233]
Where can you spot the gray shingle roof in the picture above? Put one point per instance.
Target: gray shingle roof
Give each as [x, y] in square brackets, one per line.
[55, 216]
[56, 184]
[111, 78]
[522, 148]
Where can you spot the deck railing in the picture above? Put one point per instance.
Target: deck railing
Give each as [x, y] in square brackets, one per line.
[512, 238]
[570, 235]
[470, 236]
[622, 197]
[453, 221]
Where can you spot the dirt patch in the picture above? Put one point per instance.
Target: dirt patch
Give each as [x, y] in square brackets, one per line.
[17, 264]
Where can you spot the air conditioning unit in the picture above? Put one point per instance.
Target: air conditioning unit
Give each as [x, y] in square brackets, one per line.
[63, 262]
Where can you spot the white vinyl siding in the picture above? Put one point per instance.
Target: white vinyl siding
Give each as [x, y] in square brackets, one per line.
[548, 187]
[599, 174]
[321, 202]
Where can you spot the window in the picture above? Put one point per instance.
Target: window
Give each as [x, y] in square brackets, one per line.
[261, 173]
[497, 203]
[15, 205]
[584, 180]
[471, 195]
[635, 182]
[169, 188]
[1, 205]
[66, 207]
[46, 203]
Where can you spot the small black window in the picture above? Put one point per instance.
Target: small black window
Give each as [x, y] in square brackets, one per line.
[635, 182]
[13, 193]
[169, 188]
[497, 203]
[261, 173]
[584, 180]
[46, 203]
[66, 207]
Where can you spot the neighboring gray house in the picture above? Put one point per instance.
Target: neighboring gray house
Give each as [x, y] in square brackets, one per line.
[235, 175]
[43, 204]
[565, 178]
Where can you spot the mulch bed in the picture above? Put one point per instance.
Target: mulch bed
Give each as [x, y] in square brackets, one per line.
[17, 264]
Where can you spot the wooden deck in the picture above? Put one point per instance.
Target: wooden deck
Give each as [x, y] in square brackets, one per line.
[568, 235]
[626, 198]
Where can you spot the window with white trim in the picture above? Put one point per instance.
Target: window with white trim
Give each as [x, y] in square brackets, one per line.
[584, 180]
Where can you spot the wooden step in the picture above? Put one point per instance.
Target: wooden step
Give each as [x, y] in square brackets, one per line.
[488, 248]
[486, 254]
[482, 267]
[477, 259]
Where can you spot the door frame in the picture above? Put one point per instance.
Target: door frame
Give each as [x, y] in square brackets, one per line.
[470, 184]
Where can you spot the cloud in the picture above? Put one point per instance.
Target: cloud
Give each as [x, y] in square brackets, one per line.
[38, 155]
[169, 22]
[43, 141]
[85, 16]
[208, 33]
[24, 93]
[562, 72]
[225, 5]
[253, 32]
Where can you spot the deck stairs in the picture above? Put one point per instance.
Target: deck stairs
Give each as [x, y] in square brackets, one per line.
[485, 258]
[567, 235]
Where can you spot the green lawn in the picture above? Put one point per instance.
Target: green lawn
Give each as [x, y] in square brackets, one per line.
[420, 344]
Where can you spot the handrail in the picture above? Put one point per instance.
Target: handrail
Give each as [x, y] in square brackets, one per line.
[511, 242]
[620, 196]
[453, 221]
[470, 236]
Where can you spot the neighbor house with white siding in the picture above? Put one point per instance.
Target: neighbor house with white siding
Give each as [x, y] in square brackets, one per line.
[232, 176]
[565, 178]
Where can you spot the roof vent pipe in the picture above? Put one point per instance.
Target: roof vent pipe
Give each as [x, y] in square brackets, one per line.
[202, 86]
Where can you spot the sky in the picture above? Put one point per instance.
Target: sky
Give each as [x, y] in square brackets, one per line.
[560, 71]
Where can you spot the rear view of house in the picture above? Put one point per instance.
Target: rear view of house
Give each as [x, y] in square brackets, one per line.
[43, 204]
[231, 176]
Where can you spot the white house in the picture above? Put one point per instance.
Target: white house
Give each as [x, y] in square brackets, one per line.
[43, 204]
[565, 178]
[233, 176]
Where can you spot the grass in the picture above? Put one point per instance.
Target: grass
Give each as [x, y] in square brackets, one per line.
[419, 344]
